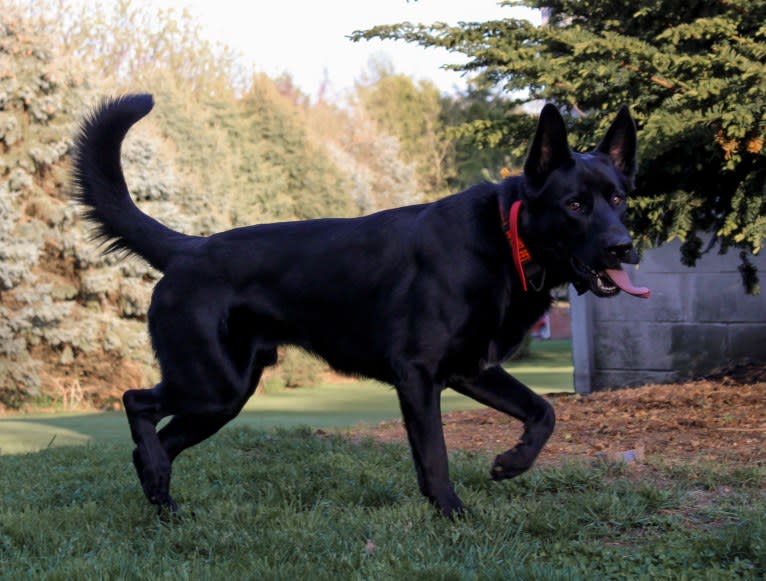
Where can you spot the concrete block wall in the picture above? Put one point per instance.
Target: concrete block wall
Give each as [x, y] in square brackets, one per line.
[697, 320]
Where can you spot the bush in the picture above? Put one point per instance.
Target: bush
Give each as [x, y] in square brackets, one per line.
[298, 368]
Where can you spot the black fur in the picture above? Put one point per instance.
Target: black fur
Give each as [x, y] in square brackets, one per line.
[421, 297]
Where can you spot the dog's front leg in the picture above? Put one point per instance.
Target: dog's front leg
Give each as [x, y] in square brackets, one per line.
[497, 389]
[421, 408]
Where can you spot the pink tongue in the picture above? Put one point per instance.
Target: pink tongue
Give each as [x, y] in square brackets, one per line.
[622, 280]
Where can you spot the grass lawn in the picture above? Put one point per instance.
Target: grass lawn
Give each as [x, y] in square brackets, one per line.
[549, 369]
[293, 505]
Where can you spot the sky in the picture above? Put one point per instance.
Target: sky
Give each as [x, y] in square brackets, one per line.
[307, 39]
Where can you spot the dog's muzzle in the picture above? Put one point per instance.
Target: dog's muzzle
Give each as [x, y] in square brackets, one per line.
[605, 283]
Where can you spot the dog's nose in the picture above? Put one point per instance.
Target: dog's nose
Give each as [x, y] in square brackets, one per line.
[624, 252]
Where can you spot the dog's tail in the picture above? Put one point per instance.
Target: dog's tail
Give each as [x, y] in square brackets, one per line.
[99, 184]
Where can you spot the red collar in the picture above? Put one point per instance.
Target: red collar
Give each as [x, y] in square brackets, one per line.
[522, 259]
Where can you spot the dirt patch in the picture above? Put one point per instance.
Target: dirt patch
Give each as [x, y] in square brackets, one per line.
[721, 419]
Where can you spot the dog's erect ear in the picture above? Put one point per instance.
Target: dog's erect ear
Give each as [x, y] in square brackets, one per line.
[619, 143]
[549, 149]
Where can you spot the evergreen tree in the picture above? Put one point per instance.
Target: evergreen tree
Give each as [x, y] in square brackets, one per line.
[693, 73]
[280, 172]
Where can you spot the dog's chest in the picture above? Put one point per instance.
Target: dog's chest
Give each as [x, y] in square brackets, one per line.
[520, 313]
[494, 332]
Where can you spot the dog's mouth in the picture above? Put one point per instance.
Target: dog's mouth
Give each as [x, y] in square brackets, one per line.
[606, 283]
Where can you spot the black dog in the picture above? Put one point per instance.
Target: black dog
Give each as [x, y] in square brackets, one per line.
[421, 297]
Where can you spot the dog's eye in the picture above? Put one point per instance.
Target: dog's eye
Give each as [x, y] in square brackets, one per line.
[575, 205]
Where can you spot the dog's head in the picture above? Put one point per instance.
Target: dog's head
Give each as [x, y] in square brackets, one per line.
[575, 204]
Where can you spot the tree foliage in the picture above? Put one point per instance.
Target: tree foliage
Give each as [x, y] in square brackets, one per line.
[133, 43]
[693, 73]
[285, 173]
[412, 112]
[209, 157]
[437, 133]
[378, 175]
[468, 119]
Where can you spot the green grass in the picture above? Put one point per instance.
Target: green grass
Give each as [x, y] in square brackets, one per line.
[549, 369]
[291, 504]
[294, 505]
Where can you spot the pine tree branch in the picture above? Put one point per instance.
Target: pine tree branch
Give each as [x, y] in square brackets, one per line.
[654, 78]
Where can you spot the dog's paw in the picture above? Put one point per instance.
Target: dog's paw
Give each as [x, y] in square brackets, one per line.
[168, 511]
[165, 502]
[154, 479]
[452, 509]
[448, 503]
[511, 463]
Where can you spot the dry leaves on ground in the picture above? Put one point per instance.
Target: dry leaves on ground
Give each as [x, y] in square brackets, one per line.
[720, 418]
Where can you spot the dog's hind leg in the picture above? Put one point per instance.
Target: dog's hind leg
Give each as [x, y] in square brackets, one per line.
[421, 409]
[188, 429]
[497, 389]
[144, 409]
